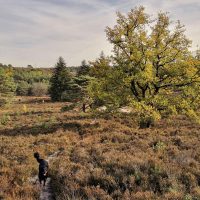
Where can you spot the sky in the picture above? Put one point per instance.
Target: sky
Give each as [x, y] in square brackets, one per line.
[37, 32]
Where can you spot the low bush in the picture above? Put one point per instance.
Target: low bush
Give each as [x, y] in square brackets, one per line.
[68, 107]
[39, 89]
[6, 101]
[4, 119]
[23, 88]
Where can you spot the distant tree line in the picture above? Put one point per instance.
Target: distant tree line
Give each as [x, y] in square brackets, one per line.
[30, 81]
[67, 83]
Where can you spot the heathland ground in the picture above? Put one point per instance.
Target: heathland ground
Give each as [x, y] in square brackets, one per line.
[100, 156]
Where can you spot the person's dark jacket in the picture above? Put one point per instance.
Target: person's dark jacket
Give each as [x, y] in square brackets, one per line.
[43, 167]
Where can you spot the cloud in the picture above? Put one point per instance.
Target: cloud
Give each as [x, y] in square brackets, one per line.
[37, 32]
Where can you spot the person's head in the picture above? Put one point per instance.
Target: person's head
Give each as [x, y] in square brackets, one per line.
[36, 155]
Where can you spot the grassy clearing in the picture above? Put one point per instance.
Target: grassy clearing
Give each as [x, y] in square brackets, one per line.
[106, 158]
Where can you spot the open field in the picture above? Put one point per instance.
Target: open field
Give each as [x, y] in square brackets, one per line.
[106, 158]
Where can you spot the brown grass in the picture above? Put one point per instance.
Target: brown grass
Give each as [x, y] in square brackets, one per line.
[106, 158]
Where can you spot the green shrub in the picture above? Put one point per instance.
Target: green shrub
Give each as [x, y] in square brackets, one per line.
[39, 89]
[146, 122]
[188, 197]
[159, 146]
[6, 101]
[71, 95]
[2, 102]
[5, 119]
[68, 107]
[23, 88]
[7, 86]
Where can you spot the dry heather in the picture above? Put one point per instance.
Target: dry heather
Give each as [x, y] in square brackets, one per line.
[107, 158]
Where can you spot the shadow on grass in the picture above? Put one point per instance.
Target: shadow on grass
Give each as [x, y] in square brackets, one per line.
[35, 100]
[79, 117]
[47, 128]
[30, 113]
[80, 128]
[30, 130]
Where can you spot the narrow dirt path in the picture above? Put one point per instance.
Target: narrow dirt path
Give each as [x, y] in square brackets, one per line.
[46, 192]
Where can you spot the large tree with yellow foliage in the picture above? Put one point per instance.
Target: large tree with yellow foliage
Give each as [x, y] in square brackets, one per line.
[151, 67]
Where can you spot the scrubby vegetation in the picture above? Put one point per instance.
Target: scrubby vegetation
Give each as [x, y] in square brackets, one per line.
[7, 86]
[32, 81]
[29, 81]
[101, 157]
[125, 126]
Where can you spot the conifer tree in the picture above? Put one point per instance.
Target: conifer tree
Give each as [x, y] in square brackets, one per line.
[84, 68]
[60, 80]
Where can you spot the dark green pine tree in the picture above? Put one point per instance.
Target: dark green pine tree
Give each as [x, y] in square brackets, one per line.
[60, 80]
[83, 69]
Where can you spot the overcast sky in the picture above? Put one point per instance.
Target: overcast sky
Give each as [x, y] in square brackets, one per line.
[37, 32]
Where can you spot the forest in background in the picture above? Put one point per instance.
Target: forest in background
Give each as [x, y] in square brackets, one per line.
[27, 79]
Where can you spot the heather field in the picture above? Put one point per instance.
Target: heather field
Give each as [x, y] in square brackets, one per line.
[101, 157]
[99, 100]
